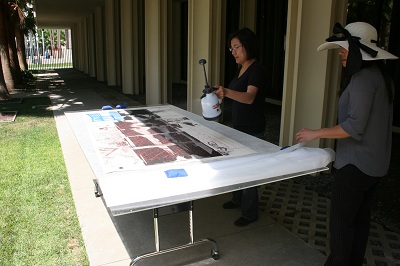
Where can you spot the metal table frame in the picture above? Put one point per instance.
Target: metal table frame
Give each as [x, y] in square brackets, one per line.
[187, 206]
[173, 203]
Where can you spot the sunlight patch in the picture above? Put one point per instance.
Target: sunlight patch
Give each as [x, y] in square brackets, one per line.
[8, 116]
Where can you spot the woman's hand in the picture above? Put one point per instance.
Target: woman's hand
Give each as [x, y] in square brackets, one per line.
[220, 91]
[335, 132]
[306, 135]
[242, 97]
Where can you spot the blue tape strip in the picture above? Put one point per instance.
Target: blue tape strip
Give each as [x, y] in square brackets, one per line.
[96, 117]
[116, 116]
[175, 173]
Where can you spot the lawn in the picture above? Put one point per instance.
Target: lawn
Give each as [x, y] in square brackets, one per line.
[49, 66]
[38, 222]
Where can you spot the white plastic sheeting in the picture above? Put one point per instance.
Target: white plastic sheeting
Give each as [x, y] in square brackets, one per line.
[148, 188]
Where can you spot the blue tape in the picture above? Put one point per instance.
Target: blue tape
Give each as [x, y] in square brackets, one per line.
[120, 106]
[96, 117]
[106, 107]
[175, 173]
[116, 116]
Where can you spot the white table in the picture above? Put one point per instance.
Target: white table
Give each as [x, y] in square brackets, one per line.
[129, 151]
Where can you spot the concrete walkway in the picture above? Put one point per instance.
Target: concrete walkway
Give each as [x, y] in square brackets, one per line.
[116, 240]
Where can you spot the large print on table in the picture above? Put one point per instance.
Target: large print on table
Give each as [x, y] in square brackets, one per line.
[136, 138]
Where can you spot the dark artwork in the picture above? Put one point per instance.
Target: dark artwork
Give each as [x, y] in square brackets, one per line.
[157, 141]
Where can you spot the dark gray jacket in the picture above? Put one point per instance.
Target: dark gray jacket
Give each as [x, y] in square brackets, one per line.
[366, 114]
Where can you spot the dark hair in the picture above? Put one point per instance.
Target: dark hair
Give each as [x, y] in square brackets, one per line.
[345, 80]
[248, 39]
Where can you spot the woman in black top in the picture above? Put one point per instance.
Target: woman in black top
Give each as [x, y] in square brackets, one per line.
[247, 90]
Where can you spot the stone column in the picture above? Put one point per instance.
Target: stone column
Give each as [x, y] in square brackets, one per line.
[204, 34]
[99, 44]
[310, 80]
[84, 46]
[156, 51]
[127, 46]
[110, 42]
[91, 50]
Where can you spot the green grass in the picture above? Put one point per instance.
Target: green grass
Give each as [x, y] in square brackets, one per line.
[38, 222]
[50, 66]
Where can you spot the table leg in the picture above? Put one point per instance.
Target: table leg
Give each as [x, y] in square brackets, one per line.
[214, 251]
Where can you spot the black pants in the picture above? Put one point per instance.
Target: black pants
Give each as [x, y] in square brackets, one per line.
[351, 201]
[248, 198]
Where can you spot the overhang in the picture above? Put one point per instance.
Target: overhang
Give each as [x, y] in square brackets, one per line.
[59, 14]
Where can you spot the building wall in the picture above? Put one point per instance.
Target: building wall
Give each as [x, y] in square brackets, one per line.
[309, 79]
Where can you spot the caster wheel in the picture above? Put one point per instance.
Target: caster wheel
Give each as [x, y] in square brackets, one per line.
[215, 255]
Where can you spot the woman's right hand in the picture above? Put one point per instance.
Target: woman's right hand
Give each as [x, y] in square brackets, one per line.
[306, 135]
[220, 91]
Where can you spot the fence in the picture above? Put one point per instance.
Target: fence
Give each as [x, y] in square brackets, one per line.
[58, 58]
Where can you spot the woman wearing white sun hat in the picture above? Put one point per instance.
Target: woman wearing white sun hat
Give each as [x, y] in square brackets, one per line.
[364, 138]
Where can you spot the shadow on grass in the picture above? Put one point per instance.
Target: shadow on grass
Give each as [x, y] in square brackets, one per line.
[29, 107]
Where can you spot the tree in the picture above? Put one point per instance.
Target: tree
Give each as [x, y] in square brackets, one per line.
[24, 20]
[12, 49]
[4, 95]
[4, 56]
[16, 19]
[53, 38]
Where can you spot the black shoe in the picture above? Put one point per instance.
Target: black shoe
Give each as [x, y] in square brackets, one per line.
[230, 205]
[243, 222]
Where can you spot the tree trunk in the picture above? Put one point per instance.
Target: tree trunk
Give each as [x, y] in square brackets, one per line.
[21, 49]
[5, 62]
[4, 94]
[12, 49]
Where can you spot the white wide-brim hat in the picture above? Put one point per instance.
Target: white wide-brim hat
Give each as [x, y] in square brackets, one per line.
[368, 36]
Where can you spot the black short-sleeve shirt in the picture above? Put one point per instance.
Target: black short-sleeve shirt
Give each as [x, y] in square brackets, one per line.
[249, 118]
